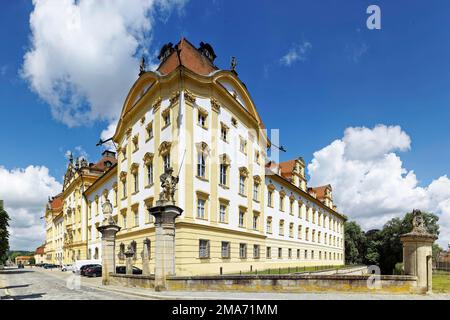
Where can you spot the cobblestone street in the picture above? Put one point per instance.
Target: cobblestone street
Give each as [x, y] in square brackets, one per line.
[36, 284]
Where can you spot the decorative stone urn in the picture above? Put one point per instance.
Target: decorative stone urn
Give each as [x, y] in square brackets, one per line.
[417, 253]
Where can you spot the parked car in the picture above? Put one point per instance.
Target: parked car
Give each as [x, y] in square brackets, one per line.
[123, 270]
[85, 267]
[79, 263]
[95, 271]
[67, 267]
[49, 266]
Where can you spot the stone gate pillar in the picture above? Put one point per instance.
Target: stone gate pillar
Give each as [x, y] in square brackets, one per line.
[165, 216]
[417, 253]
[108, 229]
[146, 257]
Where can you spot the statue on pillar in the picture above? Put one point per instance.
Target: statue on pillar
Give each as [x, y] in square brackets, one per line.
[168, 186]
[418, 222]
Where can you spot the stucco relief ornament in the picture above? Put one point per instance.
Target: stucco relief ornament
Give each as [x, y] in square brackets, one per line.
[418, 222]
[168, 187]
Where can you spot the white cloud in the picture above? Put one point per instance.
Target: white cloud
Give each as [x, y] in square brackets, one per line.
[26, 192]
[370, 183]
[298, 52]
[83, 56]
[109, 133]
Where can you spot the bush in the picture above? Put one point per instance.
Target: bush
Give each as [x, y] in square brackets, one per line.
[398, 269]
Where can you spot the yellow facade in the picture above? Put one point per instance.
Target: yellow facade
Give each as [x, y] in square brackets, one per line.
[187, 113]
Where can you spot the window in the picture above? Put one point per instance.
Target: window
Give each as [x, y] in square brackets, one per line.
[307, 234]
[312, 254]
[242, 250]
[124, 188]
[257, 156]
[203, 249]
[242, 184]
[223, 174]
[224, 133]
[243, 145]
[256, 251]
[280, 253]
[307, 214]
[166, 161]
[269, 225]
[241, 218]
[290, 253]
[234, 122]
[300, 210]
[124, 220]
[299, 232]
[319, 234]
[282, 202]
[149, 130]
[225, 249]
[255, 191]
[313, 238]
[255, 221]
[136, 218]
[135, 141]
[201, 164]
[269, 253]
[201, 120]
[298, 253]
[201, 208]
[306, 254]
[136, 182]
[270, 198]
[222, 213]
[291, 207]
[291, 230]
[149, 168]
[166, 118]
[281, 228]
[320, 255]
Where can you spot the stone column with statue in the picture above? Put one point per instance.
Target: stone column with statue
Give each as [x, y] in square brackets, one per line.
[108, 229]
[165, 213]
[417, 253]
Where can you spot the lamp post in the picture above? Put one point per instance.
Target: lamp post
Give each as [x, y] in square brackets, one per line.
[108, 229]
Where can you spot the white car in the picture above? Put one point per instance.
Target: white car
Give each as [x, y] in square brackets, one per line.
[67, 267]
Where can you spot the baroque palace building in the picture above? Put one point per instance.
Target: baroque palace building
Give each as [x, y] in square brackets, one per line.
[240, 211]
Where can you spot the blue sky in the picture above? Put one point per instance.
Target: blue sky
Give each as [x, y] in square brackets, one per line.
[352, 76]
[348, 76]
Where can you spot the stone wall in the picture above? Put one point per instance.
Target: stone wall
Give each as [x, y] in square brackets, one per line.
[274, 283]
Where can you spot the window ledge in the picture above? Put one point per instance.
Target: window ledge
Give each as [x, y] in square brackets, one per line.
[149, 185]
[224, 186]
[202, 178]
[242, 195]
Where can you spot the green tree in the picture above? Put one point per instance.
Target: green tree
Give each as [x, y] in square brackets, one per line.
[373, 245]
[391, 249]
[355, 243]
[4, 234]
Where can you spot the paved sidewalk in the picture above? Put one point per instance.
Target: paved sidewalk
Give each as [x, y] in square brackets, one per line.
[139, 293]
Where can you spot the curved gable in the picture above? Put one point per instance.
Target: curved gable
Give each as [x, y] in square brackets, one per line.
[238, 91]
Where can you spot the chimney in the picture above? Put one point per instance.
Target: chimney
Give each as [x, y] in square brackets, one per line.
[108, 153]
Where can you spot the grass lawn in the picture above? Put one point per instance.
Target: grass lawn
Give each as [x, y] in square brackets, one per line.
[441, 282]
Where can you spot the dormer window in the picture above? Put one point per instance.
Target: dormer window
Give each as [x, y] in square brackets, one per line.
[108, 164]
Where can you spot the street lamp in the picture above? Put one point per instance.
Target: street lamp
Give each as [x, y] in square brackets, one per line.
[107, 212]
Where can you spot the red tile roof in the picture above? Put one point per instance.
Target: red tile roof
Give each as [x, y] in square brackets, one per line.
[57, 202]
[320, 191]
[188, 56]
[40, 250]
